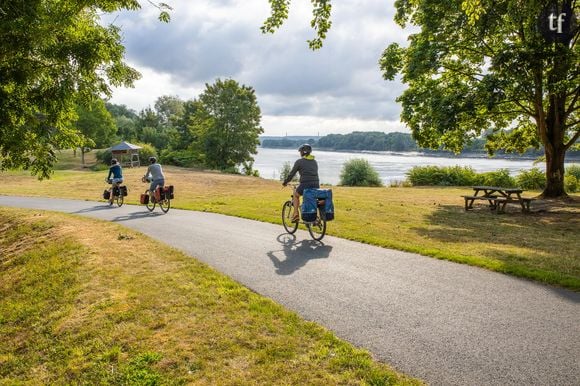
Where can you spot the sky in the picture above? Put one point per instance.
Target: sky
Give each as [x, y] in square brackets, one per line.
[337, 89]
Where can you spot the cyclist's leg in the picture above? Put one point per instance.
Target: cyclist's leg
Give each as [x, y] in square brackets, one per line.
[296, 202]
[111, 191]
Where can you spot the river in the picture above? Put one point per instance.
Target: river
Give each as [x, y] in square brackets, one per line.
[390, 166]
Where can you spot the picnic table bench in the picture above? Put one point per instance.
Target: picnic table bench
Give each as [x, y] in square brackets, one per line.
[498, 197]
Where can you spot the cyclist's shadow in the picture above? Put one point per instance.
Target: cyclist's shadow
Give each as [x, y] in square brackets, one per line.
[297, 254]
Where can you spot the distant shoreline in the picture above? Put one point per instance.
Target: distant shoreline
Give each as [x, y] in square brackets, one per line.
[572, 158]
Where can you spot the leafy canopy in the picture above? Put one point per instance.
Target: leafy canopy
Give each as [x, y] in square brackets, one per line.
[227, 124]
[54, 55]
[477, 65]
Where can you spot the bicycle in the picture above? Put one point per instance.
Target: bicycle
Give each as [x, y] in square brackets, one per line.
[161, 196]
[316, 228]
[116, 193]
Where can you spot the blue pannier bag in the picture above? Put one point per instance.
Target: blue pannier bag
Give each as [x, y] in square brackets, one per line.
[309, 205]
[310, 200]
[326, 195]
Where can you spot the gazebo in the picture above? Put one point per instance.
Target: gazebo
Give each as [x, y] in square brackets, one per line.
[126, 153]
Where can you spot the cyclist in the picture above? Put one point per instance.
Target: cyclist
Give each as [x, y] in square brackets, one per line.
[307, 167]
[117, 173]
[154, 174]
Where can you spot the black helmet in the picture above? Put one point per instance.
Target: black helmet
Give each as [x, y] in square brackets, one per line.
[113, 161]
[305, 149]
[152, 160]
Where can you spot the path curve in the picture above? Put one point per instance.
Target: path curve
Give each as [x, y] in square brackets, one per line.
[446, 323]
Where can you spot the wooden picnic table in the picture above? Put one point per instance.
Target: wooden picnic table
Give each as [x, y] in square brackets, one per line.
[498, 197]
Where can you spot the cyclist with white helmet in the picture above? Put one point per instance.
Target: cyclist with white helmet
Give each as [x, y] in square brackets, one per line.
[154, 174]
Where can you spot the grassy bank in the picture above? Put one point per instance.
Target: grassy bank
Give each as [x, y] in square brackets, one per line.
[79, 306]
[542, 246]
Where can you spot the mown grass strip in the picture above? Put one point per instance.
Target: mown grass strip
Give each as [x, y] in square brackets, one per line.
[87, 302]
[541, 246]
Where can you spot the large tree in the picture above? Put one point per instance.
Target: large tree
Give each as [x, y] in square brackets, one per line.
[54, 55]
[474, 65]
[228, 124]
[96, 125]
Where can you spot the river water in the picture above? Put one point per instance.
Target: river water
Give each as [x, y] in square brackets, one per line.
[390, 166]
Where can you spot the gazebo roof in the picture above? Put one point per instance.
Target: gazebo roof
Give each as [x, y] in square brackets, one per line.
[125, 146]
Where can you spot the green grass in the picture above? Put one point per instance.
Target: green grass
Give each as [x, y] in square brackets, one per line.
[115, 307]
[541, 246]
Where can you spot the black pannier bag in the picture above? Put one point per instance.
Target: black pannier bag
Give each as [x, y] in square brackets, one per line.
[124, 190]
[168, 190]
[106, 194]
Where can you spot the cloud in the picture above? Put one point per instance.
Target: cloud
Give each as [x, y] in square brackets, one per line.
[221, 39]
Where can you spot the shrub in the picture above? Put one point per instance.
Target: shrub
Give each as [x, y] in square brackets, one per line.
[145, 152]
[441, 176]
[573, 170]
[285, 171]
[500, 177]
[571, 183]
[183, 158]
[359, 172]
[248, 169]
[534, 179]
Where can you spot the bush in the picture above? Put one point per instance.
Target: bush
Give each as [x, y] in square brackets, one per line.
[104, 156]
[500, 177]
[571, 183]
[533, 179]
[285, 171]
[573, 170]
[248, 169]
[183, 158]
[145, 152]
[441, 176]
[359, 172]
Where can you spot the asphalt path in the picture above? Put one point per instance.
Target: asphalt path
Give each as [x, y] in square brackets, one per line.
[446, 323]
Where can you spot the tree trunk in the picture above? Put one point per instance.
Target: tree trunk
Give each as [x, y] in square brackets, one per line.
[83, 156]
[555, 174]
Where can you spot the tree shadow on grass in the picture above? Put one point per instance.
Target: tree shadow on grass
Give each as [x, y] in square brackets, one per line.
[544, 244]
[297, 254]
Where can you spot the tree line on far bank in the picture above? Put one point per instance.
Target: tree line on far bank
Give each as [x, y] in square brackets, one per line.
[379, 141]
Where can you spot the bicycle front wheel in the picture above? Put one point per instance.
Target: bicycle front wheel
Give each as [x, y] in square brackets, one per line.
[120, 199]
[317, 228]
[165, 205]
[287, 218]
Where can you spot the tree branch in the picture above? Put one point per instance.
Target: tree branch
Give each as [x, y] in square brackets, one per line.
[573, 106]
[573, 139]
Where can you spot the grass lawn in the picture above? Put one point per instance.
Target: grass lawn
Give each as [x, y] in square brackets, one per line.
[90, 302]
[542, 246]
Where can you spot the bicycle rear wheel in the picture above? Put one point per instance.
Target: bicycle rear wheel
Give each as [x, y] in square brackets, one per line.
[317, 228]
[120, 199]
[165, 205]
[290, 226]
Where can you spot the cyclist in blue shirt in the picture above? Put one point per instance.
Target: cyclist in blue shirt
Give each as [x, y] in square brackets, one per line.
[117, 173]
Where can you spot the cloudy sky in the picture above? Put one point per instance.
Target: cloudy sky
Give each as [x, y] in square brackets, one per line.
[337, 89]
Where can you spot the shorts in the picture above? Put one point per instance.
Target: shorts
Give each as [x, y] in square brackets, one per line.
[307, 185]
[155, 183]
[116, 180]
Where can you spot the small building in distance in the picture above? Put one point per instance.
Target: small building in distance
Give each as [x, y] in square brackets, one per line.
[127, 154]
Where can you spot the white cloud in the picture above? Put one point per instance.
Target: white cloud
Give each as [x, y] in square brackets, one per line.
[338, 88]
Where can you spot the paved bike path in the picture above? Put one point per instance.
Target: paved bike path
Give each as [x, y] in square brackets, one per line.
[446, 323]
